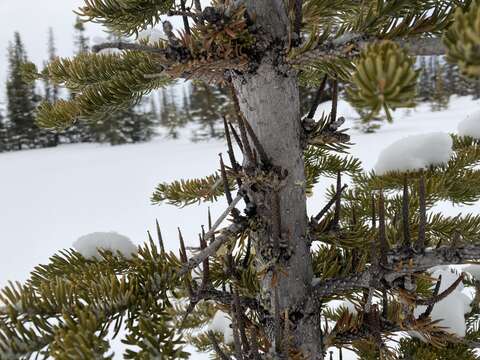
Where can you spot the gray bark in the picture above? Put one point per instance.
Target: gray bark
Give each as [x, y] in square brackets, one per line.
[269, 101]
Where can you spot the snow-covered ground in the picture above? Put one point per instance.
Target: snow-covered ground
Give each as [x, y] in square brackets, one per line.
[51, 197]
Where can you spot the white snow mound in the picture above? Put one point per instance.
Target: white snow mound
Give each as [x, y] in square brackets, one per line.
[222, 323]
[451, 310]
[415, 152]
[470, 126]
[88, 245]
[473, 269]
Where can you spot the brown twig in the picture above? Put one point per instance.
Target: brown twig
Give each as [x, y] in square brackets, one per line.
[226, 185]
[160, 238]
[327, 207]
[423, 215]
[298, 18]
[333, 113]
[261, 150]
[128, 46]
[186, 25]
[406, 214]
[382, 234]
[237, 138]
[338, 202]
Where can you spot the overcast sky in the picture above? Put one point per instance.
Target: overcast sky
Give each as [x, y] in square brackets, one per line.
[32, 18]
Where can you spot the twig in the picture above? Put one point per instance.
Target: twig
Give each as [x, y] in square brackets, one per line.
[327, 207]
[226, 234]
[206, 264]
[222, 217]
[128, 46]
[373, 246]
[298, 18]
[338, 202]
[382, 233]
[439, 297]
[246, 144]
[186, 25]
[318, 97]
[160, 238]
[333, 113]
[216, 346]
[423, 215]
[237, 138]
[406, 214]
[231, 153]
[243, 134]
[246, 259]
[430, 306]
[226, 185]
[261, 150]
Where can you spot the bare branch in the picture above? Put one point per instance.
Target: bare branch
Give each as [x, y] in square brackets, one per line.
[298, 17]
[318, 97]
[225, 235]
[439, 297]
[327, 207]
[406, 214]
[350, 46]
[128, 46]
[423, 215]
[400, 263]
[186, 25]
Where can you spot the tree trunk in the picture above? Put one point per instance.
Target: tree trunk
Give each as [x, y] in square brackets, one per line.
[269, 100]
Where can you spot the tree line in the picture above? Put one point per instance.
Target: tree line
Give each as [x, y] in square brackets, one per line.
[18, 129]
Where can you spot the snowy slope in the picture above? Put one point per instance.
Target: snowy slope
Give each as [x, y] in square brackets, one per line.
[50, 197]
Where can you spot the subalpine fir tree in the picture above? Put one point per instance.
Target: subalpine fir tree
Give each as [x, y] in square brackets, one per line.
[424, 91]
[131, 125]
[171, 118]
[21, 99]
[440, 96]
[4, 141]
[80, 131]
[81, 40]
[207, 105]
[52, 91]
[273, 269]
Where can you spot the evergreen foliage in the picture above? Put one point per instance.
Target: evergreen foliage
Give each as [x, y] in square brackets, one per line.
[375, 240]
[384, 78]
[21, 99]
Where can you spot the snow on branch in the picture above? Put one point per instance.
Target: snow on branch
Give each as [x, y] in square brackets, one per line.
[89, 245]
[415, 153]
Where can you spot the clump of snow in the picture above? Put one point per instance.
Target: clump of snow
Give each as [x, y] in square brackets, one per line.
[470, 126]
[222, 323]
[451, 310]
[474, 270]
[152, 35]
[415, 152]
[88, 245]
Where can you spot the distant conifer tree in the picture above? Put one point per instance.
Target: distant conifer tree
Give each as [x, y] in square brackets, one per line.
[21, 99]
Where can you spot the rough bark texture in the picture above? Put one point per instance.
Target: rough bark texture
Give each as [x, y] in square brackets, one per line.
[270, 102]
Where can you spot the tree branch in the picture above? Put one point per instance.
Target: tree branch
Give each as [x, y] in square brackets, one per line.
[224, 236]
[399, 263]
[350, 45]
[128, 46]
